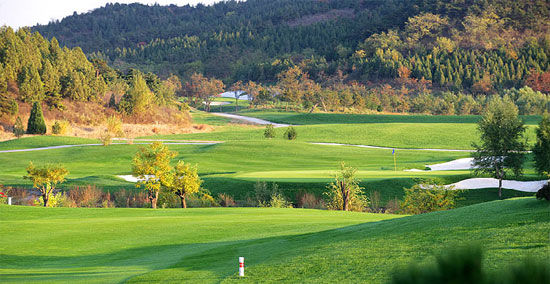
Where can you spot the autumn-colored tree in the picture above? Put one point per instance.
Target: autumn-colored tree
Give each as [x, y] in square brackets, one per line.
[202, 90]
[151, 165]
[46, 178]
[183, 181]
[290, 84]
[237, 88]
[539, 81]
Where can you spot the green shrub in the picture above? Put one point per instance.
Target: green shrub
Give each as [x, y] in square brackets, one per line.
[60, 127]
[428, 197]
[464, 265]
[290, 133]
[18, 128]
[36, 123]
[269, 131]
[457, 266]
[544, 193]
[58, 199]
[112, 101]
[279, 201]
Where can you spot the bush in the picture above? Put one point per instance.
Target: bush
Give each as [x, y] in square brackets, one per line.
[269, 131]
[61, 127]
[279, 201]
[310, 200]
[89, 196]
[201, 199]
[13, 107]
[290, 133]
[131, 199]
[375, 205]
[428, 197]
[544, 193]
[114, 126]
[464, 265]
[18, 128]
[106, 138]
[226, 200]
[36, 123]
[262, 193]
[58, 199]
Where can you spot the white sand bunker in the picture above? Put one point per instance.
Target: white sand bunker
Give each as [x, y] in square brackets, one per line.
[476, 183]
[459, 164]
[131, 178]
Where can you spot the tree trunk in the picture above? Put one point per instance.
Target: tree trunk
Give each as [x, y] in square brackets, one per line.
[45, 199]
[345, 196]
[236, 103]
[183, 203]
[154, 199]
[500, 188]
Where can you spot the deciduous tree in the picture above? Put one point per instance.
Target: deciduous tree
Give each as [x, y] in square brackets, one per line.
[183, 181]
[502, 148]
[46, 178]
[151, 165]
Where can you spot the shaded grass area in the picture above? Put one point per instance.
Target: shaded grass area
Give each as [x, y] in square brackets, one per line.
[280, 245]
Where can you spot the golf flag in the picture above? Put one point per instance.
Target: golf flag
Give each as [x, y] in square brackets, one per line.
[394, 160]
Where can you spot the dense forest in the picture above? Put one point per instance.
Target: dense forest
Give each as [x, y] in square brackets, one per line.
[454, 44]
[34, 69]
[421, 56]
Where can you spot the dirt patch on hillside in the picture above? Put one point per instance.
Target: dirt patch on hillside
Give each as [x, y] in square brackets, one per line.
[322, 17]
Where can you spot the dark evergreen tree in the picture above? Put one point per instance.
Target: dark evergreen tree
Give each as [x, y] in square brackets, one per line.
[36, 123]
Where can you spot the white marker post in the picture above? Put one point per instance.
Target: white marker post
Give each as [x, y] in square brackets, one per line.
[9, 200]
[241, 266]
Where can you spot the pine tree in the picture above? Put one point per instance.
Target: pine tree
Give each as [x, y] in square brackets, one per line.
[18, 129]
[36, 124]
[112, 101]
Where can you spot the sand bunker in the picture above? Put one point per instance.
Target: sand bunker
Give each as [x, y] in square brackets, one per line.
[476, 183]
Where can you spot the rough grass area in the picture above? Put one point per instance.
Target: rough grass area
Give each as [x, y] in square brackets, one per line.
[279, 245]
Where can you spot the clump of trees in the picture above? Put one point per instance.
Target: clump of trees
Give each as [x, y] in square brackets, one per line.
[151, 165]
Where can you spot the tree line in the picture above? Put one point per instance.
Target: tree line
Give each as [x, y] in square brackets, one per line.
[475, 47]
[34, 69]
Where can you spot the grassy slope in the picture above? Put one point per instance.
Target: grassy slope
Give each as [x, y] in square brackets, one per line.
[233, 167]
[400, 131]
[202, 245]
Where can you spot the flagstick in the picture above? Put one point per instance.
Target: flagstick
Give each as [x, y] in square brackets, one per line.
[394, 162]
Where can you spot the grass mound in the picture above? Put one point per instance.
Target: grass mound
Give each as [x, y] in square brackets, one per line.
[280, 245]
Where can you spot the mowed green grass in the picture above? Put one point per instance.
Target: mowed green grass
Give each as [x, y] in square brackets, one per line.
[44, 141]
[235, 166]
[301, 118]
[279, 245]
[399, 131]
